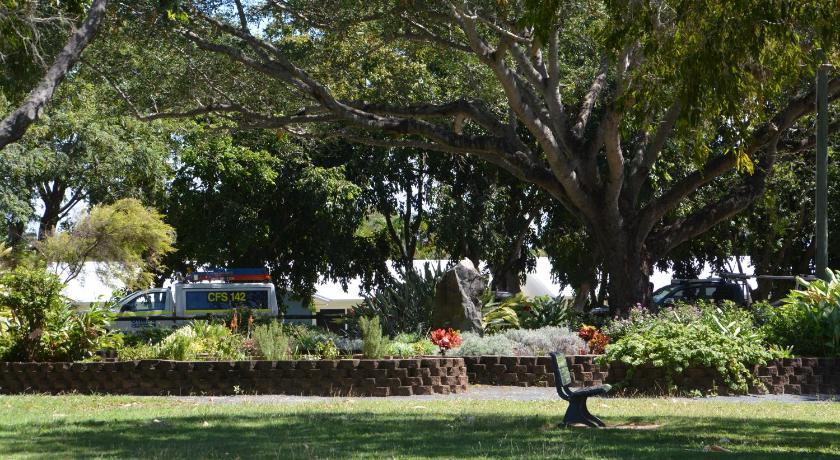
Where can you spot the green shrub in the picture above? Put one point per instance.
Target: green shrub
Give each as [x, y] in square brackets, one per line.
[137, 351]
[272, 341]
[808, 320]
[147, 336]
[306, 339]
[490, 345]
[181, 345]
[374, 344]
[41, 325]
[539, 342]
[544, 311]
[703, 335]
[199, 340]
[327, 350]
[521, 342]
[406, 346]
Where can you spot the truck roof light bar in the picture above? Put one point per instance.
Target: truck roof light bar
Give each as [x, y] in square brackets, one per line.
[231, 275]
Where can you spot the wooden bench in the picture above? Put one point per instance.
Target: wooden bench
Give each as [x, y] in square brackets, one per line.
[577, 411]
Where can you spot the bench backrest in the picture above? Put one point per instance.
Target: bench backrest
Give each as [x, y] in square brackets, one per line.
[562, 375]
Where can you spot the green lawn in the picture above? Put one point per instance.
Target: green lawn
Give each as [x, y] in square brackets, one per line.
[130, 427]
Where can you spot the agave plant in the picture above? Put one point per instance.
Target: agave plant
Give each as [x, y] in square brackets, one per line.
[402, 304]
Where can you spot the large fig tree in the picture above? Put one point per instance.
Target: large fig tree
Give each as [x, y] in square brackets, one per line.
[620, 111]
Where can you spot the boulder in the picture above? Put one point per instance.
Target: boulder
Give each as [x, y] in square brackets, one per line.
[458, 299]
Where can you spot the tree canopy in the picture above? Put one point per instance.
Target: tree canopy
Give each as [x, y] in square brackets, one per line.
[624, 113]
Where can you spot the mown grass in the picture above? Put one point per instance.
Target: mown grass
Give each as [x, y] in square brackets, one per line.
[134, 427]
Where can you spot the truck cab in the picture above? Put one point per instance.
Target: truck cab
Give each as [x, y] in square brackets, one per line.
[201, 296]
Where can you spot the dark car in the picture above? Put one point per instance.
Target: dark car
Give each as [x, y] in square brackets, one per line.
[713, 290]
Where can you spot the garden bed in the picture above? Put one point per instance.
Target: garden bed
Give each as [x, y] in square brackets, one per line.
[341, 377]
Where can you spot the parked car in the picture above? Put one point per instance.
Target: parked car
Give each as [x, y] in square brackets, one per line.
[713, 290]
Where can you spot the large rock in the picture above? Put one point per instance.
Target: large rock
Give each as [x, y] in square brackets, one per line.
[457, 300]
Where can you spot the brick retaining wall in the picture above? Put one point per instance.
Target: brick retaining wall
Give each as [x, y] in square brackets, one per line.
[365, 377]
[526, 371]
[781, 376]
[387, 377]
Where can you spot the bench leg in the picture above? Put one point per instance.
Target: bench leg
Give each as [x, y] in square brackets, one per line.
[591, 417]
[577, 413]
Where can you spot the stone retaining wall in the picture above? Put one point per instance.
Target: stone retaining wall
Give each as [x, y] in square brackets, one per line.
[781, 376]
[365, 377]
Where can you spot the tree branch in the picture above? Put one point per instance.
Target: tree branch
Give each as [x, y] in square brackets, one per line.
[16, 123]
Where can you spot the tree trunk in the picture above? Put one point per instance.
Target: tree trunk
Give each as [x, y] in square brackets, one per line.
[628, 268]
[49, 220]
[507, 279]
[15, 232]
[581, 296]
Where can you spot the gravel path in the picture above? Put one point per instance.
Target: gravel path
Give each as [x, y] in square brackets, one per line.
[483, 393]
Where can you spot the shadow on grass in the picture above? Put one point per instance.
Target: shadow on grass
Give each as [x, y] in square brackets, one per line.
[331, 434]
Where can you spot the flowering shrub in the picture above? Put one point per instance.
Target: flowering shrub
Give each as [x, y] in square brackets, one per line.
[596, 340]
[699, 335]
[446, 339]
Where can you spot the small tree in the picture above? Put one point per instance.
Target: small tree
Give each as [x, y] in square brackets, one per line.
[128, 239]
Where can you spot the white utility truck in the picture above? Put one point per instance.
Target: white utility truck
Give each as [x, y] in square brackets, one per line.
[204, 294]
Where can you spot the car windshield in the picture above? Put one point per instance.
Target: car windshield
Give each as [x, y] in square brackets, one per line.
[661, 293]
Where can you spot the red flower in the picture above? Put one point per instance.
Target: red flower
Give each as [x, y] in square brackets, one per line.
[446, 339]
[596, 341]
[587, 332]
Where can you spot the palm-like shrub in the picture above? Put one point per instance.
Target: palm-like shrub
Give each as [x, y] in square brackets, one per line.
[808, 319]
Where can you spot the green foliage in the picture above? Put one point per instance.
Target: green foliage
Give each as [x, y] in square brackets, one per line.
[42, 325]
[199, 340]
[149, 336]
[408, 345]
[327, 350]
[497, 316]
[375, 345]
[723, 59]
[128, 239]
[81, 151]
[808, 320]
[489, 345]
[721, 338]
[272, 341]
[544, 311]
[225, 183]
[306, 339]
[402, 305]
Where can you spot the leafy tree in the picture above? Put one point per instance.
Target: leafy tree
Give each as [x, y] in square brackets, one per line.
[585, 100]
[254, 199]
[128, 240]
[484, 215]
[395, 185]
[79, 153]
